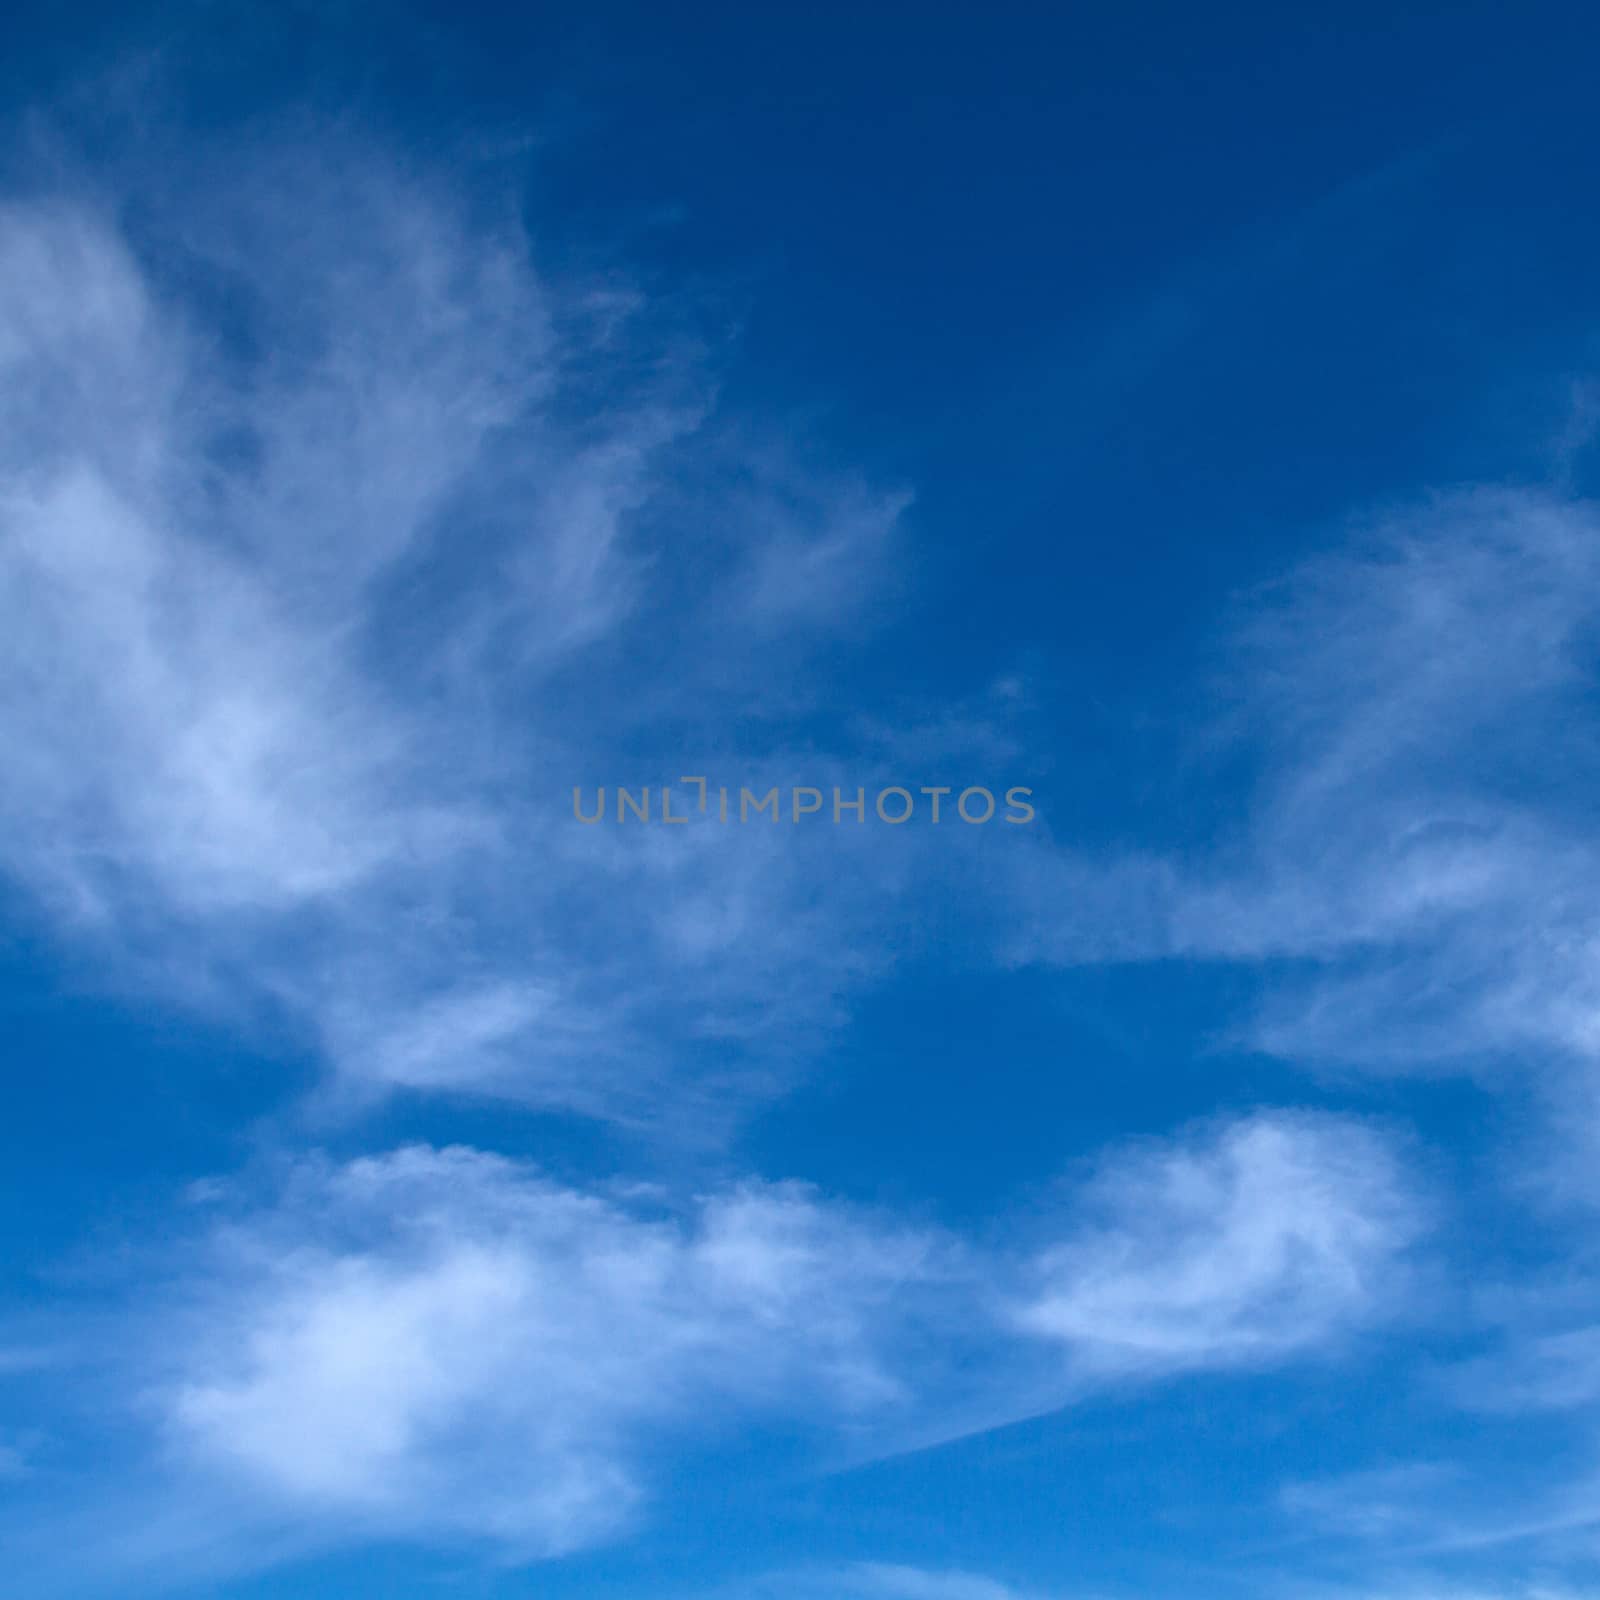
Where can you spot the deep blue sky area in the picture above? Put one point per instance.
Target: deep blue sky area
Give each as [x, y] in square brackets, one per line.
[1080, 263]
[411, 415]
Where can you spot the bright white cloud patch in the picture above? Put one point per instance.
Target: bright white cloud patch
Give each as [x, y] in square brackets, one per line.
[443, 1341]
[1237, 1249]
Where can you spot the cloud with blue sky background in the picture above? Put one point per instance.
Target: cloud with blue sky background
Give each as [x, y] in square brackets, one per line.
[415, 428]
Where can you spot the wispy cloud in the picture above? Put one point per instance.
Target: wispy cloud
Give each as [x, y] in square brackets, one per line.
[1413, 1587]
[1388, 1504]
[882, 1580]
[279, 739]
[1548, 1372]
[1407, 840]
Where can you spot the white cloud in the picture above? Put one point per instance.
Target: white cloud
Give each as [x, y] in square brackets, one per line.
[447, 1344]
[1420, 825]
[1241, 1248]
[173, 734]
[443, 1342]
[1409, 865]
[337, 543]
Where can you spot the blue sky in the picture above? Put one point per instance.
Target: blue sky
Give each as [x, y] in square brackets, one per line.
[411, 415]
